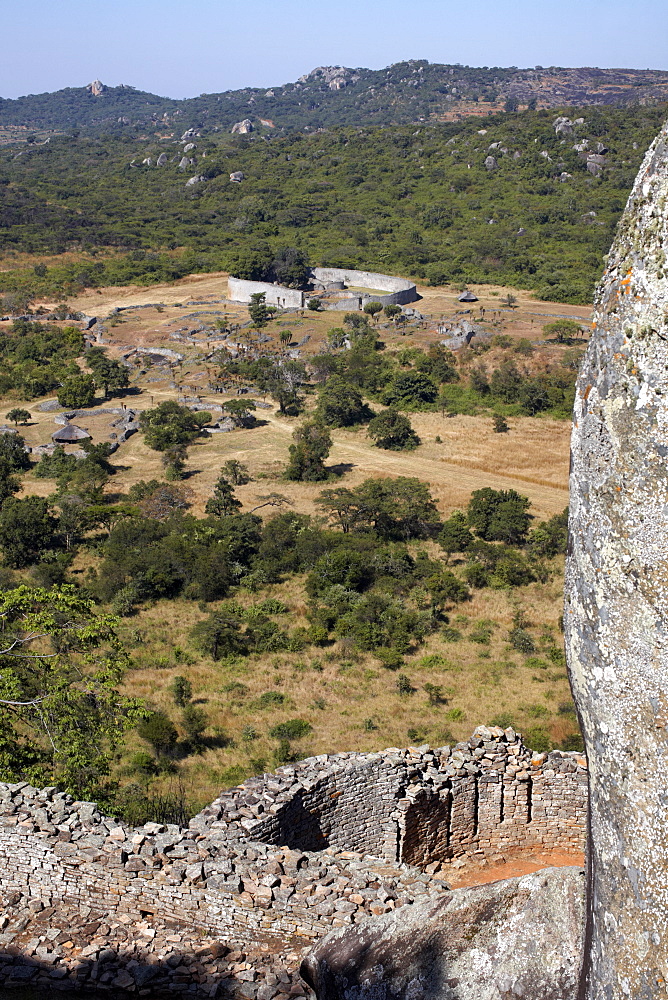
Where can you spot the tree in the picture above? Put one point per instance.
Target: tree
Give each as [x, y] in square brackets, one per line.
[455, 535]
[223, 502]
[340, 403]
[285, 337]
[392, 311]
[500, 424]
[218, 635]
[241, 411]
[258, 310]
[194, 720]
[170, 425]
[499, 515]
[182, 691]
[108, 373]
[158, 730]
[27, 529]
[564, 330]
[551, 537]
[410, 389]
[393, 508]
[13, 454]
[372, 308]
[314, 305]
[290, 267]
[283, 382]
[393, 431]
[312, 444]
[236, 472]
[61, 714]
[19, 415]
[77, 392]
[165, 500]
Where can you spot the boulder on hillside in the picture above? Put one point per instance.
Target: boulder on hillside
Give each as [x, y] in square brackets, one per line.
[242, 128]
[519, 938]
[491, 164]
[162, 160]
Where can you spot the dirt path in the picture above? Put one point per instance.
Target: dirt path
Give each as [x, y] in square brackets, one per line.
[512, 867]
[546, 500]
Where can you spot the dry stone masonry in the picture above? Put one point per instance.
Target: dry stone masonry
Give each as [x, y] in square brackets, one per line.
[269, 867]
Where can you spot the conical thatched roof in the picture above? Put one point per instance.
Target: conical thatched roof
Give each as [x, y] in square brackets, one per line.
[69, 433]
[468, 296]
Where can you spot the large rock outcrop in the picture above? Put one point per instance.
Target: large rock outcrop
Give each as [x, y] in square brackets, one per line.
[520, 938]
[616, 610]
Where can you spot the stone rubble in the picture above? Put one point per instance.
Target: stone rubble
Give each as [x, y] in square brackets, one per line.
[231, 904]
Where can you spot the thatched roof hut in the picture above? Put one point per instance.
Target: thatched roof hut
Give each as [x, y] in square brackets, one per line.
[468, 296]
[69, 434]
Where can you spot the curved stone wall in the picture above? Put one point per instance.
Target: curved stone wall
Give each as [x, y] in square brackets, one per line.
[397, 291]
[286, 856]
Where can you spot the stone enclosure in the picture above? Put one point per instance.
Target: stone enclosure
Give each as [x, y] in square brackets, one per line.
[341, 283]
[286, 857]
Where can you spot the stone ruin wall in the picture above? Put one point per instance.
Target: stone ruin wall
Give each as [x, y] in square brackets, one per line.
[400, 291]
[254, 860]
[239, 290]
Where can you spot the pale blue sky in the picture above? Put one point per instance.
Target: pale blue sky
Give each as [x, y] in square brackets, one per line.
[180, 49]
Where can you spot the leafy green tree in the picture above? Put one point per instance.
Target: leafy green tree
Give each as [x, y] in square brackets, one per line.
[223, 502]
[499, 515]
[392, 508]
[19, 415]
[158, 730]
[236, 472]
[107, 372]
[446, 589]
[13, 454]
[27, 530]
[340, 404]
[283, 382]
[312, 444]
[392, 311]
[218, 635]
[77, 392]
[241, 411]
[61, 713]
[455, 535]
[373, 308]
[563, 330]
[194, 720]
[410, 389]
[314, 304]
[290, 267]
[551, 537]
[182, 691]
[285, 337]
[170, 425]
[393, 431]
[252, 263]
[258, 310]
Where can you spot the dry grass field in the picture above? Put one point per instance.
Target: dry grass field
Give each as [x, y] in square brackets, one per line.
[350, 699]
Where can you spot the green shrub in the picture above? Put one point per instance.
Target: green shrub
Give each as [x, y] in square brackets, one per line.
[521, 640]
[182, 691]
[454, 714]
[293, 729]
[143, 762]
[391, 659]
[270, 699]
[158, 730]
[538, 739]
[404, 685]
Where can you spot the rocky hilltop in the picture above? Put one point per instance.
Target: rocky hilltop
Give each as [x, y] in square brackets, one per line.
[328, 96]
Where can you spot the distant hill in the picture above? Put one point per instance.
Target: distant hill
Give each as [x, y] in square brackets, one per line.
[331, 96]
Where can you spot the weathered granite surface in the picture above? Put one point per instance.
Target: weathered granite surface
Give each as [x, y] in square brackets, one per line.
[616, 610]
[518, 938]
